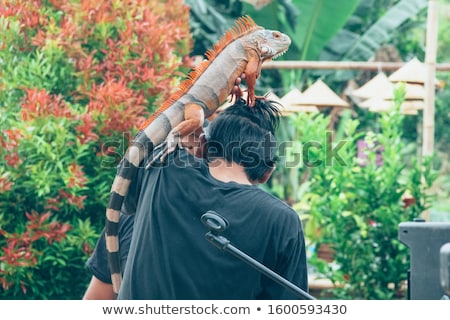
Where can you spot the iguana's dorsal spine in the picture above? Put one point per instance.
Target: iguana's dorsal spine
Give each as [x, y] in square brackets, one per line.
[243, 26]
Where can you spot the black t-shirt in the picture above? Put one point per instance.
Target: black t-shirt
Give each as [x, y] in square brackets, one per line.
[170, 258]
[98, 262]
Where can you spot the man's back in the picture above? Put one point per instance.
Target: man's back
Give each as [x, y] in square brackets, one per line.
[169, 257]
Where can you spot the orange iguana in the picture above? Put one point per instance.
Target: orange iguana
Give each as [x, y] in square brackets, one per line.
[241, 50]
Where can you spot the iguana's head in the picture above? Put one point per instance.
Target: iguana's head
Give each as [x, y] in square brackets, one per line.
[270, 44]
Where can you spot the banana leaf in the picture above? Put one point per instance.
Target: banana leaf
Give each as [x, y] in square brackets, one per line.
[309, 23]
[347, 45]
[320, 21]
[366, 45]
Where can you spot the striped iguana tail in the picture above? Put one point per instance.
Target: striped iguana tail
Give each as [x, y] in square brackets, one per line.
[242, 50]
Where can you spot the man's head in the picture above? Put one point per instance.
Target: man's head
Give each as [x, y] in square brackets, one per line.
[245, 135]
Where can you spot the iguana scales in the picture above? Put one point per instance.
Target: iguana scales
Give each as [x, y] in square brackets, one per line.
[241, 50]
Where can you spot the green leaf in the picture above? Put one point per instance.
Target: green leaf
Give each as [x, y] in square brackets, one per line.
[280, 15]
[350, 46]
[319, 21]
[366, 45]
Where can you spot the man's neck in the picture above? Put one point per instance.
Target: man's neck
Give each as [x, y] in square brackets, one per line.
[225, 171]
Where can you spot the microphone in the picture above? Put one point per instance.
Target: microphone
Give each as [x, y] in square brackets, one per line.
[217, 224]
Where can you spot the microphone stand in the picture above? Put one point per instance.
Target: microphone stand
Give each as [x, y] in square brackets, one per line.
[216, 224]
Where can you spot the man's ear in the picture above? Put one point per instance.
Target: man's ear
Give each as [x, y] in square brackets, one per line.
[266, 176]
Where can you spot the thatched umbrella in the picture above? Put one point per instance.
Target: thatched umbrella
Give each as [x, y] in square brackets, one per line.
[416, 72]
[320, 95]
[413, 71]
[290, 105]
[380, 86]
[377, 104]
[379, 94]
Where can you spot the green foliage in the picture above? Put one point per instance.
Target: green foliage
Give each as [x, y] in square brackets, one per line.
[356, 202]
[210, 19]
[75, 83]
[444, 31]
[374, 24]
[321, 20]
[33, 260]
[380, 32]
[299, 135]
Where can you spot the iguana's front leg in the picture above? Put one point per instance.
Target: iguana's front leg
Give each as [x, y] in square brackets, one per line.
[194, 116]
[252, 72]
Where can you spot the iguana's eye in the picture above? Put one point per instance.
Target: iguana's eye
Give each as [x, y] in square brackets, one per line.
[276, 35]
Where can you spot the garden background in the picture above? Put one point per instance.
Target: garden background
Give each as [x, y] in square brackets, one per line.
[78, 77]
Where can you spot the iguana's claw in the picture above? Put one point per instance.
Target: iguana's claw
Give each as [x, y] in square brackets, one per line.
[173, 140]
[237, 93]
[163, 147]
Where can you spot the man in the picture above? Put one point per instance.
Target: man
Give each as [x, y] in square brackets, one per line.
[169, 257]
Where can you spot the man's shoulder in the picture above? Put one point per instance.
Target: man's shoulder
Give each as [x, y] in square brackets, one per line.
[273, 205]
[179, 159]
[268, 197]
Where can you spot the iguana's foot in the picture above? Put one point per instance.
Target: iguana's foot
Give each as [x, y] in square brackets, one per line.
[172, 141]
[237, 93]
[252, 99]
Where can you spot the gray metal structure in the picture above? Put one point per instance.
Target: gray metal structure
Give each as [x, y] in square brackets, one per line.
[425, 240]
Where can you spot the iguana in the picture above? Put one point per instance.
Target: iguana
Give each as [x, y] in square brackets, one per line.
[241, 51]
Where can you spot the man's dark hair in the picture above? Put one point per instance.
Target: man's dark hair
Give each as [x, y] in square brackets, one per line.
[245, 135]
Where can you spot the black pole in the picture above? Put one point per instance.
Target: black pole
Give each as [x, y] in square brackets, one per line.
[216, 224]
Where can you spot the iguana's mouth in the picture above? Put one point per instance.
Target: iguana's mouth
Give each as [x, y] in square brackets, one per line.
[279, 54]
[269, 58]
